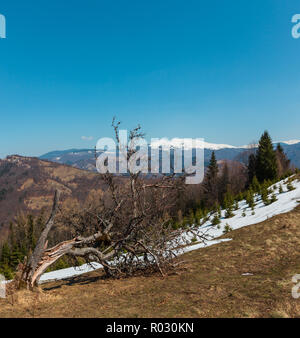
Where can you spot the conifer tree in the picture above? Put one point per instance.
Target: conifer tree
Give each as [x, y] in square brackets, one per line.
[266, 163]
[16, 257]
[236, 205]
[5, 254]
[250, 198]
[273, 198]
[255, 186]
[216, 219]
[6, 271]
[240, 196]
[264, 195]
[251, 167]
[229, 212]
[31, 233]
[211, 181]
[228, 200]
[290, 186]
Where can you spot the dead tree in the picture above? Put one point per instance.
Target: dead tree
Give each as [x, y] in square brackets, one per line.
[128, 229]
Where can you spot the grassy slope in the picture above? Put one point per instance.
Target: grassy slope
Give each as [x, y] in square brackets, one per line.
[210, 284]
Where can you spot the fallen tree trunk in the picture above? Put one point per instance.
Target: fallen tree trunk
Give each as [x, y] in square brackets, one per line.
[30, 271]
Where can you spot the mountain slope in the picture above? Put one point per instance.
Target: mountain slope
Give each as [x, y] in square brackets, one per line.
[249, 276]
[28, 184]
[244, 216]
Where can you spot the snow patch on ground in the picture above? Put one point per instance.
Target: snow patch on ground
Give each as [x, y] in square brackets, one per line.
[286, 202]
[69, 272]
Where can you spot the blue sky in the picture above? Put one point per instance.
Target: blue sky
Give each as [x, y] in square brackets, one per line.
[221, 70]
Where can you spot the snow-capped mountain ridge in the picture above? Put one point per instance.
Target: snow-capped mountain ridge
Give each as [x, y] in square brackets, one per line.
[85, 158]
[290, 142]
[188, 143]
[177, 142]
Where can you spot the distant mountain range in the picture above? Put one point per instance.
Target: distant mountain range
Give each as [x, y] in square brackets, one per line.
[27, 184]
[85, 158]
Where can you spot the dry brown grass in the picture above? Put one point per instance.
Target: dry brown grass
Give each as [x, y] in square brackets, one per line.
[68, 174]
[209, 284]
[28, 183]
[37, 203]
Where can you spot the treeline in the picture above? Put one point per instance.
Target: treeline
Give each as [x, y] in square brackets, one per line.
[226, 184]
[22, 240]
[23, 236]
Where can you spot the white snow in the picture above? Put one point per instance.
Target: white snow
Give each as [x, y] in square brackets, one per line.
[69, 272]
[286, 202]
[290, 142]
[214, 146]
[177, 143]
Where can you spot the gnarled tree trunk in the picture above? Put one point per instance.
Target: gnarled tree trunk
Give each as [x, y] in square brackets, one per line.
[31, 270]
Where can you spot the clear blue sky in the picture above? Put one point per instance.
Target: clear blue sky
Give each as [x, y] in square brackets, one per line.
[221, 70]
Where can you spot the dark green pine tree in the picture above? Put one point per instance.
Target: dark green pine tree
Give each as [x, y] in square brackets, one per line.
[211, 181]
[266, 163]
[16, 257]
[5, 254]
[5, 261]
[251, 168]
[228, 200]
[31, 239]
[255, 186]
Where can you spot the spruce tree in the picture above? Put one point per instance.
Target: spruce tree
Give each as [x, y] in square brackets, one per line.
[290, 186]
[251, 168]
[5, 255]
[236, 205]
[273, 198]
[211, 181]
[250, 199]
[216, 219]
[266, 163]
[16, 257]
[255, 186]
[229, 213]
[31, 239]
[265, 196]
